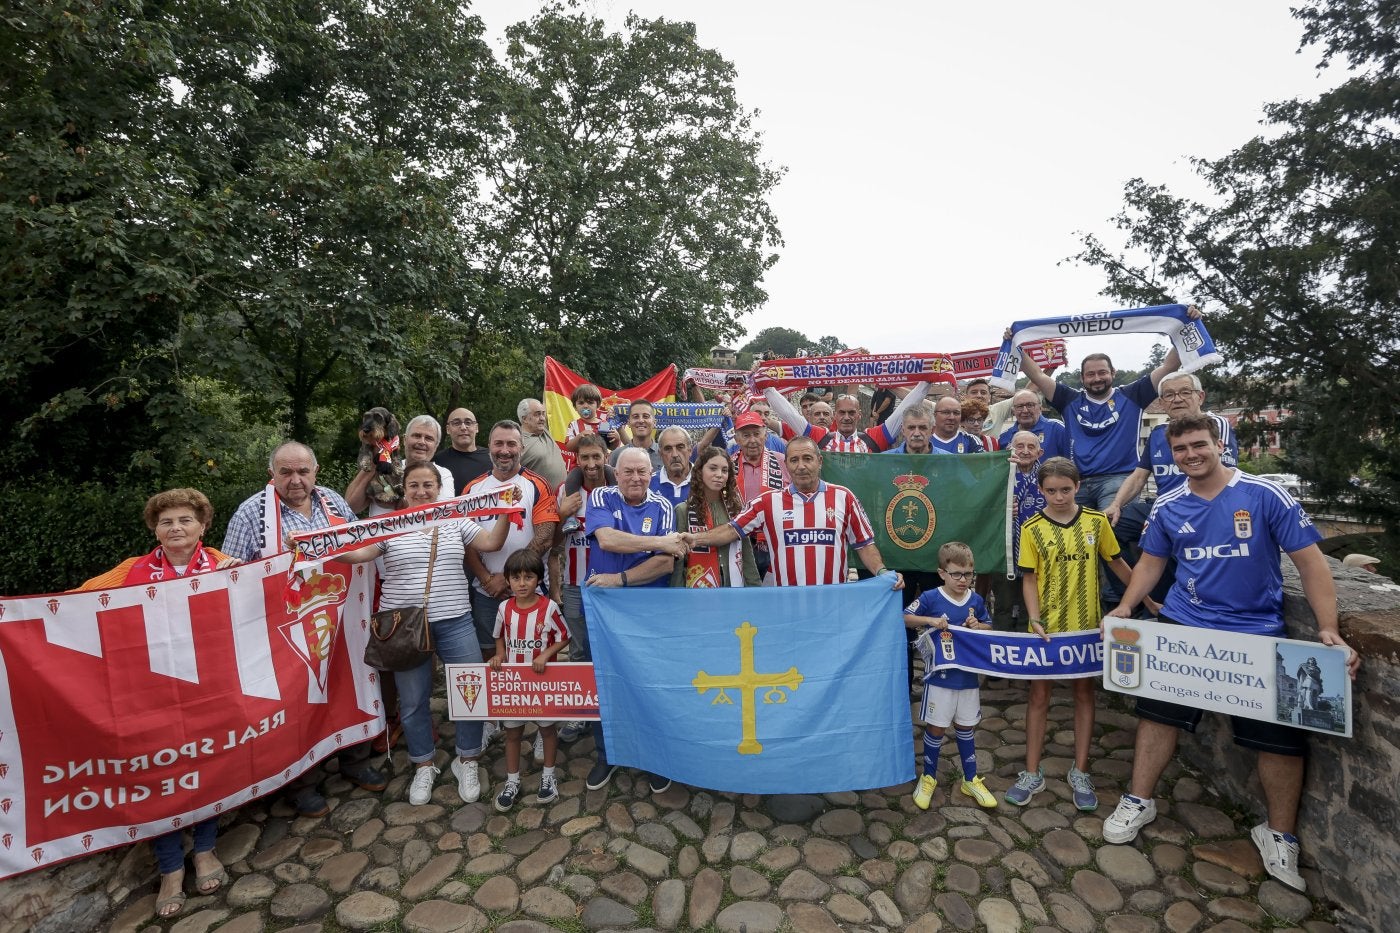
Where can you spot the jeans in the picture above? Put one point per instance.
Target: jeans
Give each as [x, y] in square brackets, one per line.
[170, 848]
[1097, 492]
[455, 643]
[484, 616]
[578, 625]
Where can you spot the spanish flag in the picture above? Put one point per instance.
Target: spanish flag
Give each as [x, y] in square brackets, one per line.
[560, 382]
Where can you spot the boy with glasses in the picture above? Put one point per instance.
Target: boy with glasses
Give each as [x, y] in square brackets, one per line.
[951, 696]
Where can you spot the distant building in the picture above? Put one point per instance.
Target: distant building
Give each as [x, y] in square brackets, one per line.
[1268, 440]
[723, 356]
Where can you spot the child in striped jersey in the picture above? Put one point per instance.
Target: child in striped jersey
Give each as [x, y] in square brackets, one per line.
[1061, 547]
[530, 630]
[951, 697]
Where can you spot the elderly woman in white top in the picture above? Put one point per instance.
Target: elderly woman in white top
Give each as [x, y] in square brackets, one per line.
[449, 614]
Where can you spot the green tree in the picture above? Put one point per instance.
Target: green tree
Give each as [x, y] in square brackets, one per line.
[828, 345]
[1297, 253]
[783, 341]
[626, 221]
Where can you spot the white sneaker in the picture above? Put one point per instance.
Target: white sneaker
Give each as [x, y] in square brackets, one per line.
[421, 790]
[489, 732]
[1131, 816]
[468, 783]
[539, 749]
[1280, 856]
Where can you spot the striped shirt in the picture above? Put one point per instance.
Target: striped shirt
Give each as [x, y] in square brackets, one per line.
[528, 633]
[576, 545]
[405, 570]
[1065, 559]
[808, 535]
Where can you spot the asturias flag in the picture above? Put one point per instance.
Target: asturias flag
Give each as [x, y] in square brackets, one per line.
[918, 502]
[760, 691]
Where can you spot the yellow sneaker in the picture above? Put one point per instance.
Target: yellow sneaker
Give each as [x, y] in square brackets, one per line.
[923, 794]
[978, 792]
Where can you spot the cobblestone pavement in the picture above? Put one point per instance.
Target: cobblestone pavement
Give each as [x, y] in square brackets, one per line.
[621, 858]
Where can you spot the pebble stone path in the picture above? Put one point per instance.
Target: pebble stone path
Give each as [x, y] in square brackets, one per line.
[688, 859]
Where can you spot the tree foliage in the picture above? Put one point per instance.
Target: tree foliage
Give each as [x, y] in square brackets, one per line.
[1297, 254]
[230, 223]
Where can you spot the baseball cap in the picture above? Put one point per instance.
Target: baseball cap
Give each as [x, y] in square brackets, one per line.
[749, 419]
[1359, 560]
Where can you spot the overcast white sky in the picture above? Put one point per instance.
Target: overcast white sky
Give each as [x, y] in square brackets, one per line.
[941, 156]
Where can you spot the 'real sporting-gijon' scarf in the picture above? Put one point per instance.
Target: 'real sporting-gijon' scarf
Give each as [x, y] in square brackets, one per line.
[1188, 336]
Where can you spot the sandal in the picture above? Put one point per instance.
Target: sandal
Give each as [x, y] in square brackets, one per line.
[218, 878]
[163, 908]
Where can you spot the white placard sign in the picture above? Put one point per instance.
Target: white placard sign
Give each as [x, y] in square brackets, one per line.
[1298, 683]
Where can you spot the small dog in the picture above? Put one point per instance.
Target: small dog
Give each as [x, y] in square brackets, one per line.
[379, 445]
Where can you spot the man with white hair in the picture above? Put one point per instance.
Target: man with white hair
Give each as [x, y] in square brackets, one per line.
[673, 481]
[1028, 416]
[420, 442]
[1181, 395]
[541, 453]
[635, 544]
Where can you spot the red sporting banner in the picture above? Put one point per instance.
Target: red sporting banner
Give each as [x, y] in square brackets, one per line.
[1049, 355]
[138, 710]
[847, 368]
[560, 382]
[565, 690]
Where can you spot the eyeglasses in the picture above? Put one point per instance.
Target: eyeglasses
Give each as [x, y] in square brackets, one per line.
[1173, 396]
[1027, 406]
[460, 422]
[960, 574]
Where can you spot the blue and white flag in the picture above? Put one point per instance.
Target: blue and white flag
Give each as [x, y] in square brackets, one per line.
[1023, 655]
[689, 415]
[772, 690]
[1188, 335]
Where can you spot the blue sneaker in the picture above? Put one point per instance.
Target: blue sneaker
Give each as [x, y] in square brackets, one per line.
[1083, 790]
[1027, 786]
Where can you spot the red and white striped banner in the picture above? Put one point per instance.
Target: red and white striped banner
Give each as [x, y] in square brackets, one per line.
[134, 711]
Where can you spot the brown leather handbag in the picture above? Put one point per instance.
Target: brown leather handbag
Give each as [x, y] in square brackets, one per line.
[402, 639]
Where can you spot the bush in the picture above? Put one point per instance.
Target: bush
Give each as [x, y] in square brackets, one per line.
[62, 534]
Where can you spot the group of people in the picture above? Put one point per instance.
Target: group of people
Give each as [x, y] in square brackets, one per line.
[746, 505]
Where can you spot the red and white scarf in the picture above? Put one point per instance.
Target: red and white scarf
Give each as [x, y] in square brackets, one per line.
[702, 564]
[322, 544]
[270, 533]
[156, 566]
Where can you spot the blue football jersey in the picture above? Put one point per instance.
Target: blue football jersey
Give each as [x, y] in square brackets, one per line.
[1104, 435]
[933, 603]
[960, 443]
[607, 509]
[1157, 455]
[1228, 573]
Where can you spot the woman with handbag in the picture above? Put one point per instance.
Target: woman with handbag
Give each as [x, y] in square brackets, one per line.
[425, 582]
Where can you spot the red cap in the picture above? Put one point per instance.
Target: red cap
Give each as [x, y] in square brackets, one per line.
[749, 419]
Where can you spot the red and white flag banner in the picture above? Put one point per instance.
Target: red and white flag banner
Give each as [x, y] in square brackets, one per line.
[316, 547]
[1049, 355]
[138, 710]
[848, 368]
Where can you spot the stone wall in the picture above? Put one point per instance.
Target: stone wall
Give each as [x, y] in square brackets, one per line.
[1351, 800]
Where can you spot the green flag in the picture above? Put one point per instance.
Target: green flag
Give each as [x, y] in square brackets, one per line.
[918, 502]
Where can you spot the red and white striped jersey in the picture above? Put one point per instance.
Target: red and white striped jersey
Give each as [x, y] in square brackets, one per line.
[528, 633]
[576, 546]
[808, 535]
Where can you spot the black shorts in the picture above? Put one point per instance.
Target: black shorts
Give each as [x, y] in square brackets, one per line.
[1257, 734]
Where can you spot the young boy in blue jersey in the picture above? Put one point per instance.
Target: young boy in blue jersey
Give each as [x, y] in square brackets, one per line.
[951, 696]
[1226, 529]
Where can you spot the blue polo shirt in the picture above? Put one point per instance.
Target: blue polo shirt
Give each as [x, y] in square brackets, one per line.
[607, 509]
[1054, 441]
[672, 492]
